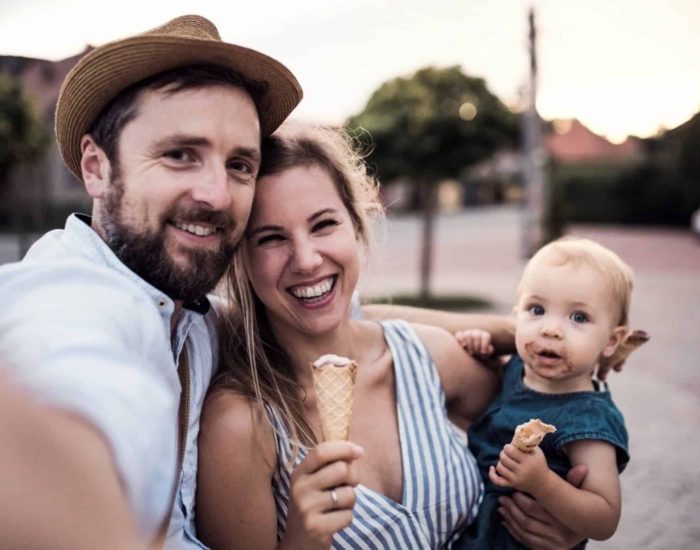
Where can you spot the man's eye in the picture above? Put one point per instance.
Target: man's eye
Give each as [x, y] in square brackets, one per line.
[579, 317]
[536, 310]
[179, 155]
[240, 166]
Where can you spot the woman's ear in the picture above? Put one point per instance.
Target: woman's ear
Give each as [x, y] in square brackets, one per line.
[618, 334]
[95, 167]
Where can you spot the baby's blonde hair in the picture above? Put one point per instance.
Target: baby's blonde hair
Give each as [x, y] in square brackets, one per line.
[575, 251]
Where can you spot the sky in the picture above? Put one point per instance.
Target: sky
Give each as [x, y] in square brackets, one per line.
[622, 67]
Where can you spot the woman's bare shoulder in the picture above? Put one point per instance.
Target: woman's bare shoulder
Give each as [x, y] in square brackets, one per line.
[235, 422]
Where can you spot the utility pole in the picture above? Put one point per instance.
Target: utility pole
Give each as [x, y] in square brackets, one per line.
[533, 157]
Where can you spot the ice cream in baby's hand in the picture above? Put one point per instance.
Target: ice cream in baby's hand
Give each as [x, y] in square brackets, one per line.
[528, 435]
[334, 382]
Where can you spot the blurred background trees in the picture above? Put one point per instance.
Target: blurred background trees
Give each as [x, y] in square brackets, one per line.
[428, 127]
[23, 138]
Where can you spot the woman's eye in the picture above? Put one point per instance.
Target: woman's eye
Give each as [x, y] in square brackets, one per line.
[536, 310]
[323, 224]
[266, 239]
[579, 317]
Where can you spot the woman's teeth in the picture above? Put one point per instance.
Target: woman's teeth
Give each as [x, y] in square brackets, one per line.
[315, 291]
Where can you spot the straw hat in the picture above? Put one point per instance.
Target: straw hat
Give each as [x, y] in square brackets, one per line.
[188, 40]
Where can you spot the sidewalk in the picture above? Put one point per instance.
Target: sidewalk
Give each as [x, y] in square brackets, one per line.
[659, 388]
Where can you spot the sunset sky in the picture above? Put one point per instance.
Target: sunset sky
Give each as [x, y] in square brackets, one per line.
[620, 66]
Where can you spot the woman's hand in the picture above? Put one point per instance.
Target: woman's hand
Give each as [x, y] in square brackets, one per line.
[322, 495]
[532, 525]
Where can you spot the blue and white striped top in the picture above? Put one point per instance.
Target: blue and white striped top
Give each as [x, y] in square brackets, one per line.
[441, 484]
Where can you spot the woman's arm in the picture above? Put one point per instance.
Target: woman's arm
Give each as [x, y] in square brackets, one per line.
[235, 502]
[501, 327]
[469, 386]
[593, 510]
[235, 505]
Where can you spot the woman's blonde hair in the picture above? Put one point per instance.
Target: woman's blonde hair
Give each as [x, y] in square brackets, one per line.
[251, 361]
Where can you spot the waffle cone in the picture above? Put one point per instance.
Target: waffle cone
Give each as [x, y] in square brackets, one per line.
[334, 384]
[528, 435]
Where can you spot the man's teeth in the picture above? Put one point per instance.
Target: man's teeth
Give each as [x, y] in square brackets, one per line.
[198, 230]
[313, 291]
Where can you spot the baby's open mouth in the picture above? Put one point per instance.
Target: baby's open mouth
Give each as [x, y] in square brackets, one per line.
[549, 354]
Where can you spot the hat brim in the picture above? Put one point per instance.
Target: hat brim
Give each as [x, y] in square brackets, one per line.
[99, 76]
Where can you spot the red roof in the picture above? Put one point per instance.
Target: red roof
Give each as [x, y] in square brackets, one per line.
[572, 142]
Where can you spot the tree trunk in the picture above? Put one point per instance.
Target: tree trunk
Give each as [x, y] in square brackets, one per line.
[428, 192]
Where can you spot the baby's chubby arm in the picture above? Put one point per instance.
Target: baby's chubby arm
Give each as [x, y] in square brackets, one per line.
[593, 510]
[475, 341]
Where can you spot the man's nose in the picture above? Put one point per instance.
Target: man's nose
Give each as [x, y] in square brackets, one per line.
[305, 256]
[213, 188]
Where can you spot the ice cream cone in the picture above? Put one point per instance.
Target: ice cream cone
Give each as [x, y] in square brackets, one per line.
[528, 435]
[334, 381]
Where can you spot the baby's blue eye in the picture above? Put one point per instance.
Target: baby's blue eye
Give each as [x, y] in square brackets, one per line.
[579, 317]
[536, 310]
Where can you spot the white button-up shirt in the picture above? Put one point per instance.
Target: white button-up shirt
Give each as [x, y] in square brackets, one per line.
[87, 335]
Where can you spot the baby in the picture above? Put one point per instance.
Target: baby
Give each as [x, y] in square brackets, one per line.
[570, 317]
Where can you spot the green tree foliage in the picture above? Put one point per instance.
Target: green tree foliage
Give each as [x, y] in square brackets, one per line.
[23, 137]
[431, 126]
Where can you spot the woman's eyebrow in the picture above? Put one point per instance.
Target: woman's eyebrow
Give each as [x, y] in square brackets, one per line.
[320, 213]
[262, 228]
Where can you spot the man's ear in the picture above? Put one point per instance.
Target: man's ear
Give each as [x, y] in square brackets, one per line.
[95, 167]
[615, 340]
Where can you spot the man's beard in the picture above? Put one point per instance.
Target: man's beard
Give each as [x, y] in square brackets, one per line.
[144, 251]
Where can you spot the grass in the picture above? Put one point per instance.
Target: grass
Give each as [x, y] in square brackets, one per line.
[449, 302]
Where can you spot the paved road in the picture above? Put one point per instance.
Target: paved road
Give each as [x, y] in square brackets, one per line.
[659, 390]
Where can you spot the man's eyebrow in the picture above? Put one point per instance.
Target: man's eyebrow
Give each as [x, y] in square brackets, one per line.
[181, 140]
[247, 152]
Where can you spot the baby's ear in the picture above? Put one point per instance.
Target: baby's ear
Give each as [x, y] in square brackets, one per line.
[616, 338]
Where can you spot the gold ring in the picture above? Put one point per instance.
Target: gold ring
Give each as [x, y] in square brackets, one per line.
[334, 500]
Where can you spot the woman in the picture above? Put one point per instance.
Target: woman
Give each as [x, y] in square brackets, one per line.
[265, 481]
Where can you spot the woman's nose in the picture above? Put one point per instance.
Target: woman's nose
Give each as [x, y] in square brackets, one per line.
[305, 257]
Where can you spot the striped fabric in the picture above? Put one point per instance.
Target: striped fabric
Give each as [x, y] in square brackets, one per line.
[441, 483]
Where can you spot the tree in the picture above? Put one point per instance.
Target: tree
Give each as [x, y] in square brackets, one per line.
[429, 127]
[23, 137]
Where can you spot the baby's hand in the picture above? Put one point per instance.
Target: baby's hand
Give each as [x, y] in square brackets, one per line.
[520, 470]
[475, 341]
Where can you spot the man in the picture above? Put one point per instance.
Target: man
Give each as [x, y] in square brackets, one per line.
[106, 320]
